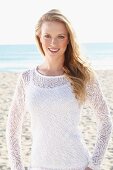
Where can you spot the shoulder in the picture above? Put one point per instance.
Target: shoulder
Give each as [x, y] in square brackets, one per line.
[93, 87]
[25, 76]
[94, 80]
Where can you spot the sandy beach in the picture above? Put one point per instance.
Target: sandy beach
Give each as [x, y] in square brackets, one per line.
[87, 123]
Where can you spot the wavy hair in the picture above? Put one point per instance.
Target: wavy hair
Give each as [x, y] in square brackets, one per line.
[76, 67]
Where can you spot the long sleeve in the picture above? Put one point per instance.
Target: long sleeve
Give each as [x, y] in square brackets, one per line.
[14, 126]
[97, 101]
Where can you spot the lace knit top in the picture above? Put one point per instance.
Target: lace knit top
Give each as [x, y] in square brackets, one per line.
[57, 141]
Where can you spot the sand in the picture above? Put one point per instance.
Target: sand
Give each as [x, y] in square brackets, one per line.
[87, 123]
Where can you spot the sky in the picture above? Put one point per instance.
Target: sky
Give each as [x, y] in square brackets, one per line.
[91, 19]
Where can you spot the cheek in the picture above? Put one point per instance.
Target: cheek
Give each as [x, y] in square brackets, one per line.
[44, 44]
[64, 44]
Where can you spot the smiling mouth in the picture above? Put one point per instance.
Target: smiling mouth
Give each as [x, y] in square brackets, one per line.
[54, 50]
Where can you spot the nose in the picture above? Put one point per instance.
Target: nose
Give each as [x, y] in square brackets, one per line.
[53, 41]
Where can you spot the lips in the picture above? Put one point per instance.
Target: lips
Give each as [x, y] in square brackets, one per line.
[54, 50]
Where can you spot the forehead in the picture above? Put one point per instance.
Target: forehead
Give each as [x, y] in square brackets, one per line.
[53, 26]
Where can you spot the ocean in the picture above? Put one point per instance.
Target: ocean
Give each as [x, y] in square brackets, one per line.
[16, 58]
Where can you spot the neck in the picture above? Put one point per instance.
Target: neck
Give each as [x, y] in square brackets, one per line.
[51, 68]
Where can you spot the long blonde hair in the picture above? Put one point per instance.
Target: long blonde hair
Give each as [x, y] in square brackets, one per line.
[76, 67]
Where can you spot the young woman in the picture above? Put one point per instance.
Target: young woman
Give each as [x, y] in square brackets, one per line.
[54, 93]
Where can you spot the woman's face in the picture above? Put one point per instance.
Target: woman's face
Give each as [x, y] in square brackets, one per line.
[54, 39]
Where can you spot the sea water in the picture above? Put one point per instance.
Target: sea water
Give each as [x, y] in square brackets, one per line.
[16, 58]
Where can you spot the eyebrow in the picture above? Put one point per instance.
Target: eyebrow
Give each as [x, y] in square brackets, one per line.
[62, 34]
[58, 34]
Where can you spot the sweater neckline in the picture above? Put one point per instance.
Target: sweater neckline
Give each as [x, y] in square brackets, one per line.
[47, 76]
[45, 81]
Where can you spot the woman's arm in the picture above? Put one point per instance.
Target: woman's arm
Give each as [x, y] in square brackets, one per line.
[14, 126]
[104, 123]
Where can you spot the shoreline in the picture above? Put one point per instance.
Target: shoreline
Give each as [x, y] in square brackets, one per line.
[21, 70]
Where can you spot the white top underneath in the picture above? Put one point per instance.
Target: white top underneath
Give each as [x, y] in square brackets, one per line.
[57, 141]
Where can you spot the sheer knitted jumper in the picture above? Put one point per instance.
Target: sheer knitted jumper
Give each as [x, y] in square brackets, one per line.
[57, 141]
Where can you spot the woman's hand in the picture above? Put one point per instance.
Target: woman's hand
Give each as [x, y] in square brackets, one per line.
[87, 168]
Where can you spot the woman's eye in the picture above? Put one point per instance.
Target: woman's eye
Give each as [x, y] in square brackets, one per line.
[47, 36]
[61, 37]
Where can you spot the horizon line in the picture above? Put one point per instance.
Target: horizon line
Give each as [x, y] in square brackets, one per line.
[92, 42]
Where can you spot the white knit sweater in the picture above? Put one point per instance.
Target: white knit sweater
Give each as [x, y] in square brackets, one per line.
[57, 142]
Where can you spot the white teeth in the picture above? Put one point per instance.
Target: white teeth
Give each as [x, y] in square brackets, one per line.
[53, 50]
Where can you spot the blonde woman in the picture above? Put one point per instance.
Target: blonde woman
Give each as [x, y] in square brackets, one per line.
[54, 93]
